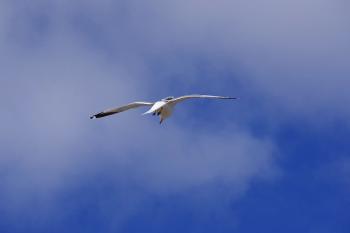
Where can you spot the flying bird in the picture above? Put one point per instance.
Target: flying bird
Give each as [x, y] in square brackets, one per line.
[162, 108]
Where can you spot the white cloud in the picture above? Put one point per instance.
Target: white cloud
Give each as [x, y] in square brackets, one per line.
[54, 78]
[66, 60]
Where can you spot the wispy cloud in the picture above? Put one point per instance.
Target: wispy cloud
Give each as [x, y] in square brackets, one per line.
[65, 60]
[58, 71]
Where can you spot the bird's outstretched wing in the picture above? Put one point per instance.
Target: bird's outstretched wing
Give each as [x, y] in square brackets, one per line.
[120, 109]
[185, 97]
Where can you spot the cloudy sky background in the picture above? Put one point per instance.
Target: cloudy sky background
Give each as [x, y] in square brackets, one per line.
[277, 159]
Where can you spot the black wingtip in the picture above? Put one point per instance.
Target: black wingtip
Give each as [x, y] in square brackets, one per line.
[92, 117]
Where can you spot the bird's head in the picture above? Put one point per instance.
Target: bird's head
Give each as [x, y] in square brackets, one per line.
[168, 98]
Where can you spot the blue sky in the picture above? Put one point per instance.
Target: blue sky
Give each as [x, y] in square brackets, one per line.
[276, 160]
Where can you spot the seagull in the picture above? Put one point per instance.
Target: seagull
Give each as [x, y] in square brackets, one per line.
[162, 108]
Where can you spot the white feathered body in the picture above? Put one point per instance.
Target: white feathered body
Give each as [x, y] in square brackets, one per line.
[162, 108]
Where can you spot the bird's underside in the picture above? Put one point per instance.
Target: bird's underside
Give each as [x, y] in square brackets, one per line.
[162, 108]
